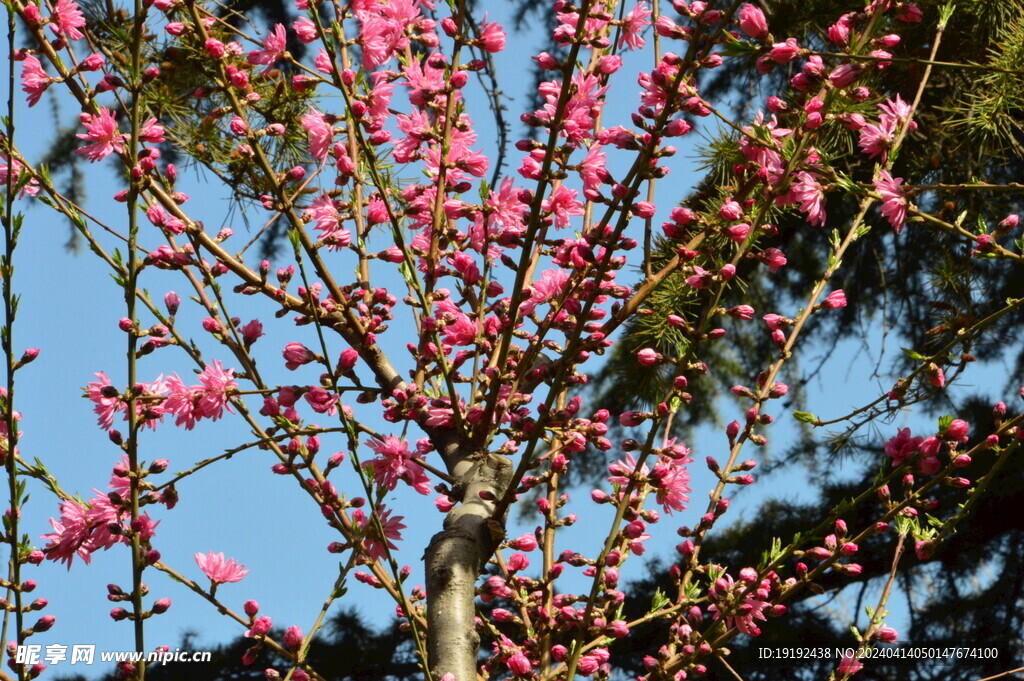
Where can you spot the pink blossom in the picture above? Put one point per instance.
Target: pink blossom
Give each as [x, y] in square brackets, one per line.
[894, 202]
[322, 400]
[31, 187]
[752, 22]
[306, 30]
[633, 26]
[839, 32]
[492, 36]
[849, 665]
[372, 541]
[274, 46]
[744, 615]
[730, 210]
[320, 133]
[105, 407]
[809, 193]
[102, 133]
[909, 12]
[297, 354]
[395, 462]
[70, 534]
[958, 430]
[782, 53]
[180, 402]
[34, 80]
[293, 637]
[844, 75]
[217, 382]
[902, 446]
[834, 300]
[673, 483]
[648, 357]
[622, 471]
[562, 204]
[67, 18]
[875, 140]
[774, 258]
[219, 569]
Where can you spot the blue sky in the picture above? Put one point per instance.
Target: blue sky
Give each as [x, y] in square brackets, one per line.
[70, 309]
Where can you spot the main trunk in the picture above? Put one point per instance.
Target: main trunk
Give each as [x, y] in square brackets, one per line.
[455, 558]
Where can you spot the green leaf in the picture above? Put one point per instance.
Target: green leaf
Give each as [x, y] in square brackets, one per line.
[913, 354]
[804, 416]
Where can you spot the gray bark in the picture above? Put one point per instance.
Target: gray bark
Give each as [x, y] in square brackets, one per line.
[454, 560]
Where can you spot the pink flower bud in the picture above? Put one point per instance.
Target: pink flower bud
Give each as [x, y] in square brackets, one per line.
[648, 357]
[957, 430]
[752, 22]
[293, 637]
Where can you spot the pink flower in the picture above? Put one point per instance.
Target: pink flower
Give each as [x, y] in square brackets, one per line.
[730, 210]
[752, 22]
[622, 471]
[902, 446]
[743, 616]
[844, 75]
[875, 140]
[492, 36]
[293, 637]
[849, 665]
[320, 133]
[31, 187]
[306, 30]
[785, 52]
[811, 197]
[648, 357]
[216, 383]
[835, 300]
[219, 569]
[322, 401]
[297, 354]
[102, 132]
[274, 46]
[633, 26]
[774, 258]
[180, 401]
[673, 483]
[839, 32]
[894, 202]
[909, 12]
[395, 462]
[562, 204]
[67, 19]
[34, 80]
[70, 534]
[958, 430]
[105, 407]
[372, 541]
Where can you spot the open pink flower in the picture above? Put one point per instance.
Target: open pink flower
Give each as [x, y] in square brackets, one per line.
[395, 462]
[372, 541]
[220, 570]
[105, 407]
[102, 132]
[216, 382]
[811, 197]
[34, 80]
[274, 46]
[894, 202]
[320, 134]
[633, 26]
[67, 19]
